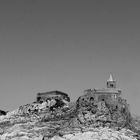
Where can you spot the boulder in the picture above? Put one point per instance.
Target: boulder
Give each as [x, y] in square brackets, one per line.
[2, 112]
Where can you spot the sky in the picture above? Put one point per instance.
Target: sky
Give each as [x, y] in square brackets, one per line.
[68, 46]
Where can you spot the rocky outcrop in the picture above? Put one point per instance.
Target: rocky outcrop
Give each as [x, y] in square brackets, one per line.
[59, 119]
[102, 113]
[35, 132]
[2, 112]
[98, 134]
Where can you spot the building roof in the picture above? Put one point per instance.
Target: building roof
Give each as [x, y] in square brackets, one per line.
[55, 92]
[107, 91]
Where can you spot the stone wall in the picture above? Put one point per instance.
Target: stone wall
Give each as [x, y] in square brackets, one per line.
[41, 97]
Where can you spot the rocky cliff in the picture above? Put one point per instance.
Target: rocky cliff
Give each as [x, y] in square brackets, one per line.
[62, 120]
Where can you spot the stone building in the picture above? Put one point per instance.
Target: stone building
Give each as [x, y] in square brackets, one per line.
[105, 102]
[110, 94]
[44, 96]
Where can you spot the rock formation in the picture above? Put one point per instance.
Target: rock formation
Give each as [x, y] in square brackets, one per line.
[60, 119]
[99, 114]
[102, 112]
[2, 112]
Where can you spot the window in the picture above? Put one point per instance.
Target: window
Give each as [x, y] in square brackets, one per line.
[111, 85]
[91, 99]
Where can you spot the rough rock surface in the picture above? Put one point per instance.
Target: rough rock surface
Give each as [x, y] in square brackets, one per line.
[2, 112]
[102, 112]
[98, 134]
[60, 120]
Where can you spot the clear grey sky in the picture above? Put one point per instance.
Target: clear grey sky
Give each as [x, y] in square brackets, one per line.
[69, 46]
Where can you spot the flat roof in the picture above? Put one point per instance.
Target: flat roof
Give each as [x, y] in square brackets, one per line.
[107, 91]
[54, 92]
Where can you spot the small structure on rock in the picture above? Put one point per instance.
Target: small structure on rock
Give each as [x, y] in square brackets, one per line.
[109, 93]
[54, 99]
[105, 94]
[44, 96]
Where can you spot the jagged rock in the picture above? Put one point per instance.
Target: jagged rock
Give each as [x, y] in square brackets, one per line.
[113, 113]
[1, 131]
[58, 119]
[2, 112]
[96, 134]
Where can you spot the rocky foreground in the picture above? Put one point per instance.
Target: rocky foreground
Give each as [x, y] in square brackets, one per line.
[22, 132]
[83, 120]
